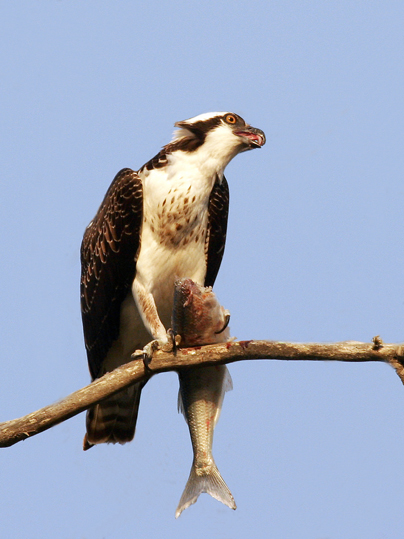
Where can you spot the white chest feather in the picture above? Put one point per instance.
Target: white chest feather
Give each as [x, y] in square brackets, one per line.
[175, 217]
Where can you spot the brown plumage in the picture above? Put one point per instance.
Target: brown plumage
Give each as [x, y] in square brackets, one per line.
[108, 257]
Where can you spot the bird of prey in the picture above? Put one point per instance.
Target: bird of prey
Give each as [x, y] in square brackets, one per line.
[164, 222]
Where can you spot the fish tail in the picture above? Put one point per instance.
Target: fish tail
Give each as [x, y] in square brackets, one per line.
[209, 481]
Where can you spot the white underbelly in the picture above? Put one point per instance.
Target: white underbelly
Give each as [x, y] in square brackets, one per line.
[175, 221]
[158, 267]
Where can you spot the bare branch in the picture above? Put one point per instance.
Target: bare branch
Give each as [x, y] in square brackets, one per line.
[16, 430]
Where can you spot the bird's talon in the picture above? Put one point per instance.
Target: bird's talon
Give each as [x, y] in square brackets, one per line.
[148, 352]
[172, 341]
[137, 354]
[226, 323]
[146, 361]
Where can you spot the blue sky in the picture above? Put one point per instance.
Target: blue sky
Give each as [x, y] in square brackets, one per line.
[314, 253]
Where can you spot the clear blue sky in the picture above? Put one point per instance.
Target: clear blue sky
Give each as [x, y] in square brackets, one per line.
[315, 252]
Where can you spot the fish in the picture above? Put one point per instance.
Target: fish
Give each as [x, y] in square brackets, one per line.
[199, 319]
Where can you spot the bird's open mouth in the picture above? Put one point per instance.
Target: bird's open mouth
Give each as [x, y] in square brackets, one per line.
[256, 137]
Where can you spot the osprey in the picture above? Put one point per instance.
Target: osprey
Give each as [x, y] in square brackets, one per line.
[165, 222]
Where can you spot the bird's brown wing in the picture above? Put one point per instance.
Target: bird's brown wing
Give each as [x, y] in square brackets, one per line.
[218, 211]
[108, 264]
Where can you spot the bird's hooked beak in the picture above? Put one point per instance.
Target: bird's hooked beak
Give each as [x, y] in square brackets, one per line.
[251, 136]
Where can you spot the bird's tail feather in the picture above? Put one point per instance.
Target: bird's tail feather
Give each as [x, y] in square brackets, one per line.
[113, 420]
[211, 482]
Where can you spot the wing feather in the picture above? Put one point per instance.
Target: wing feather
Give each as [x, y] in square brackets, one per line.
[108, 264]
[218, 211]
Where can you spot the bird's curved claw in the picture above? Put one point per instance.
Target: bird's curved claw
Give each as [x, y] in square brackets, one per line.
[148, 351]
[226, 322]
[175, 340]
[169, 344]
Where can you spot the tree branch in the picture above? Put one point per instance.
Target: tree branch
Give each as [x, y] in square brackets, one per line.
[16, 430]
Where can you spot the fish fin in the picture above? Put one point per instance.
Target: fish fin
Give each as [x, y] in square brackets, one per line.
[227, 385]
[227, 382]
[180, 405]
[211, 482]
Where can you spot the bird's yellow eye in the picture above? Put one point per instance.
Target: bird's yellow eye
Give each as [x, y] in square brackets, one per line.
[231, 119]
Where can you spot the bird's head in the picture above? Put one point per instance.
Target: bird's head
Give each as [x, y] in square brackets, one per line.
[223, 128]
[217, 136]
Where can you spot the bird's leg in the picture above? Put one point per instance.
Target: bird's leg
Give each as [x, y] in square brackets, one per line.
[147, 308]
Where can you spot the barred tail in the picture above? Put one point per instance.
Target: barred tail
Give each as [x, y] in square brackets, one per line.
[113, 420]
[211, 482]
